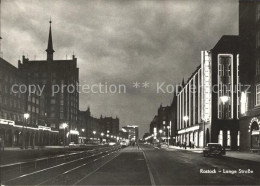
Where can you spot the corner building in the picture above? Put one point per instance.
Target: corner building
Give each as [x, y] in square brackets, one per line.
[249, 33]
[207, 107]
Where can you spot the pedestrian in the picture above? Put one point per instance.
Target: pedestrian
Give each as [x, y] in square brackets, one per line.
[190, 144]
[185, 145]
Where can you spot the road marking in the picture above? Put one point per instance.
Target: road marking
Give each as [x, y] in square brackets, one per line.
[96, 169]
[149, 170]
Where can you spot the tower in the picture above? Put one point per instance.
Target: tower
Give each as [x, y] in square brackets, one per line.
[49, 49]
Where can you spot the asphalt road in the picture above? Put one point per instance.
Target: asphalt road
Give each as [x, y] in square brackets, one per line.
[179, 167]
[144, 166]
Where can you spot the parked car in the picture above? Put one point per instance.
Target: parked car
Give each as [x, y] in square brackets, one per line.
[72, 144]
[213, 149]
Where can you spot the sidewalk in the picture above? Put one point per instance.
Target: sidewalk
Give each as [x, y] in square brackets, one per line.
[231, 154]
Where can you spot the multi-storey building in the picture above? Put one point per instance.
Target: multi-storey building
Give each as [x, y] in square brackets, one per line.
[207, 107]
[15, 129]
[59, 80]
[249, 33]
[109, 124]
[96, 127]
[132, 131]
[163, 126]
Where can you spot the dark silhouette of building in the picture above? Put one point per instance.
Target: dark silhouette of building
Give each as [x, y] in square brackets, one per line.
[249, 33]
[15, 130]
[59, 78]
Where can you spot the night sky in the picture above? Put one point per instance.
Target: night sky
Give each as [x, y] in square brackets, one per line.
[120, 42]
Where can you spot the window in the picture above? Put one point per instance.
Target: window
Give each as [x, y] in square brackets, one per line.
[225, 86]
[258, 94]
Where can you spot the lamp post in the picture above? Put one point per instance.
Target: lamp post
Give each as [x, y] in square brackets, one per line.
[102, 134]
[26, 116]
[83, 130]
[168, 127]
[64, 126]
[94, 132]
[160, 132]
[224, 99]
[185, 119]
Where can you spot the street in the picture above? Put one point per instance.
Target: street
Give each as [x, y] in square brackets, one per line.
[133, 166]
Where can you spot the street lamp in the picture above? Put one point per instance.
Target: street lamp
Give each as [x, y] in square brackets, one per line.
[102, 134]
[160, 139]
[185, 119]
[94, 132]
[168, 127]
[64, 126]
[26, 116]
[224, 99]
[83, 130]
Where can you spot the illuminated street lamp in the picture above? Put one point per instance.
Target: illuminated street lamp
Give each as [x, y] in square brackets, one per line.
[26, 116]
[102, 134]
[83, 130]
[185, 119]
[94, 132]
[64, 126]
[224, 99]
[168, 127]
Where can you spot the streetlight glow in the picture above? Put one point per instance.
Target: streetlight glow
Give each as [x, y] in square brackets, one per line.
[224, 99]
[26, 115]
[185, 118]
[94, 132]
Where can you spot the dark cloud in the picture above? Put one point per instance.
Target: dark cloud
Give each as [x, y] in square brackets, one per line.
[118, 41]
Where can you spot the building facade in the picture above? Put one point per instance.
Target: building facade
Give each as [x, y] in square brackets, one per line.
[15, 129]
[249, 33]
[207, 104]
[58, 80]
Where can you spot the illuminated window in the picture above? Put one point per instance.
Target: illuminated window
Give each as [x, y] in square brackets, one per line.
[257, 94]
[225, 86]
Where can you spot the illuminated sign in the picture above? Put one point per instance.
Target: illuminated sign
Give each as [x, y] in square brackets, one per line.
[44, 128]
[6, 122]
[206, 85]
[189, 129]
[74, 132]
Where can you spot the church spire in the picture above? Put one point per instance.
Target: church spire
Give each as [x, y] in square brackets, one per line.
[49, 49]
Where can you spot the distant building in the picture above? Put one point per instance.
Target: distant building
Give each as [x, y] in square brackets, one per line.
[165, 122]
[103, 125]
[133, 132]
[249, 33]
[59, 79]
[109, 124]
